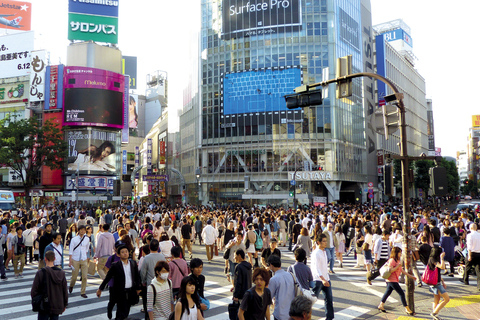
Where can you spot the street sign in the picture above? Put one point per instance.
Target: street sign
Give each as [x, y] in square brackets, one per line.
[370, 196]
[370, 191]
[293, 182]
[370, 184]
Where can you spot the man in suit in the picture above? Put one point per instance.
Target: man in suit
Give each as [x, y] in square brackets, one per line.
[126, 285]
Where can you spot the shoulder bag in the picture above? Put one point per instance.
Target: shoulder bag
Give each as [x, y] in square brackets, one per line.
[40, 301]
[308, 293]
[385, 271]
[429, 276]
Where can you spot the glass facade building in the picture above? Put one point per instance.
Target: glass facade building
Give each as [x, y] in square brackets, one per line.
[252, 148]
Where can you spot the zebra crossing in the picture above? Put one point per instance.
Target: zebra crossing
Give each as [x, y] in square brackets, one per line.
[15, 301]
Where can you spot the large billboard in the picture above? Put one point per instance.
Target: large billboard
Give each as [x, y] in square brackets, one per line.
[93, 97]
[15, 15]
[93, 151]
[107, 8]
[15, 54]
[243, 18]
[13, 93]
[54, 88]
[129, 68]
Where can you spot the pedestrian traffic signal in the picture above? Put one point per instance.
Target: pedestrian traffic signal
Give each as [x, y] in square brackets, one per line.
[387, 180]
[291, 193]
[438, 181]
[344, 68]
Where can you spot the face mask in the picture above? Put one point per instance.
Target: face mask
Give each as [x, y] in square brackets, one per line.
[164, 276]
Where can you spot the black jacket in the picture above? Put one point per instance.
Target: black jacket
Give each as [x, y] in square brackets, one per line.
[116, 272]
[57, 288]
[424, 252]
[243, 279]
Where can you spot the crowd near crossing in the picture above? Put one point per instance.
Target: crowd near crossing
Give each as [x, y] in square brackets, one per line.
[149, 261]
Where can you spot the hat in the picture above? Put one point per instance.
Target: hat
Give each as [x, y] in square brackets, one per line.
[48, 224]
[273, 240]
[250, 226]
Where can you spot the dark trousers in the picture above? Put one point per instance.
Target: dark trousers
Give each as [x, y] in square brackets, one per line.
[290, 240]
[376, 272]
[394, 286]
[123, 303]
[111, 302]
[328, 298]
[144, 301]
[475, 263]
[2, 267]
[199, 235]
[46, 316]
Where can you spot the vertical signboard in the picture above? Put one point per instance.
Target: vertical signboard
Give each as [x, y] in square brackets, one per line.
[37, 76]
[54, 87]
[125, 129]
[129, 68]
[430, 133]
[149, 156]
[124, 161]
[162, 153]
[137, 159]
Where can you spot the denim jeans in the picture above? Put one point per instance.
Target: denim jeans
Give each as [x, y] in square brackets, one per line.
[328, 298]
[394, 286]
[331, 256]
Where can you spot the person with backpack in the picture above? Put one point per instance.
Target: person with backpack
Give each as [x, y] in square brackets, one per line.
[159, 293]
[51, 282]
[18, 245]
[436, 263]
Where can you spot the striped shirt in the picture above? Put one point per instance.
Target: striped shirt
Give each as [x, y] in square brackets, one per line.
[163, 301]
[385, 250]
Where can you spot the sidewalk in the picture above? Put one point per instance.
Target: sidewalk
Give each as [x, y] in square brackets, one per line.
[464, 304]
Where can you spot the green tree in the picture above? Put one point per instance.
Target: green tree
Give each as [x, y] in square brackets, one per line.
[26, 145]
[422, 175]
[453, 179]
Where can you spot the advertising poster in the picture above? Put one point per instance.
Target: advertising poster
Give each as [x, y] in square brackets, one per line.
[54, 88]
[137, 160]
[15, 52]
[87, 27]
[243, 18]
[124, 162]
[37, 76]
[93, 151]
[126, 106]
[129, 68]
[149, 156]
[93, 97]
[15, 15]
[13, 92]
[133, 114]
[162, 153]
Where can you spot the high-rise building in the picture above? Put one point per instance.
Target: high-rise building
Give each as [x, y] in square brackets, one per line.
[251, 148]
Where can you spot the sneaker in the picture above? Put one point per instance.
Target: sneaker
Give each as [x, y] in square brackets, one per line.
[20, 275]
[4, 278]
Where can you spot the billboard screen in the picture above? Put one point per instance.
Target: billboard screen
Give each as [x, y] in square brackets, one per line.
[107, 8]
[87, 27]
[93, 97]
[15, 54]
[15, 15]
[93, 151]
[258, 90]
[243, 18]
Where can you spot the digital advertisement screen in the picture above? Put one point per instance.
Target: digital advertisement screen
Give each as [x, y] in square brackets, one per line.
[260, 90]
[93, 97]
[93, 151]
[243, 18]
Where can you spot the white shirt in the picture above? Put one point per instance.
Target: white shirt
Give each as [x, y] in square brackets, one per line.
[58, 257]
[209, 234]
[128, 274]
[81, 253]
[473, 242]
[319, 265]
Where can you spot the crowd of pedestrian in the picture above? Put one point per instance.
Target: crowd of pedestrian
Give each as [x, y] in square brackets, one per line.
[141, 252]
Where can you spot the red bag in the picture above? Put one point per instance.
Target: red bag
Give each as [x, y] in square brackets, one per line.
[430, 277]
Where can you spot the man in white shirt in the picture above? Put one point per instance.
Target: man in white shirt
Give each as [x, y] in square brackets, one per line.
[209, 235]
[473, 258]
[320, 274]
[79, 247]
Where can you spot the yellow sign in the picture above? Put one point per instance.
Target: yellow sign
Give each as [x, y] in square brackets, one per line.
[476, 121]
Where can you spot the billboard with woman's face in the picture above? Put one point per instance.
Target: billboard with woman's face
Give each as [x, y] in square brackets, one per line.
[93, 151]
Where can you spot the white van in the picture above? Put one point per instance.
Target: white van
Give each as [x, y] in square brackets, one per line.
[7, 201]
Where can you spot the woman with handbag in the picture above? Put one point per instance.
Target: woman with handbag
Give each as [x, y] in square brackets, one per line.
[436, 263]
[395, 268]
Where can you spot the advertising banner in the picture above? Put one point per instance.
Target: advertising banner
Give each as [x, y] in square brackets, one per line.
[107, 8]
[15, 54]
[15, 15]
[133, 114]
[162, 153]
[93, 151]
[137, 160]
[149, 156]
[124, 162]
[13, 92]
[37, 76]
[129, 68]
[93, 97]
[243, 18]
[92, 28]
[126, 106]
[90, 182]
[54, 88]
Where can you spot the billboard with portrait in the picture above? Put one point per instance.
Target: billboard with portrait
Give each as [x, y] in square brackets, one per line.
[243, 18]
[93, 151]
[93, 97]
[15, 15]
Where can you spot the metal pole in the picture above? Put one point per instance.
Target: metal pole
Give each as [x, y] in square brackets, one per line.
[295, 191]
[78, 173]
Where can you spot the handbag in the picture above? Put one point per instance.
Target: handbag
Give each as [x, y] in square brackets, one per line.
[204, 301]
[40, 301]
[92, 266]
[307, 293]
[385, 271]
[216, 250]
[415, 255]
[429, 276]
[233, 310]
[226, 254]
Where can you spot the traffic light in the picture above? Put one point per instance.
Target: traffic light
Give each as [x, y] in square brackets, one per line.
[438, 181]
[387, 180]
[466, 181]
[303, 98]
[390, 119]
[291, 193]
[344, 68]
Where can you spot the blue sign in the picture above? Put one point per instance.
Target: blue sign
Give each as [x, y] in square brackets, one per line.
[398, 34]
[293, 182]
[259, 90]
[108, 8]
[124, 162]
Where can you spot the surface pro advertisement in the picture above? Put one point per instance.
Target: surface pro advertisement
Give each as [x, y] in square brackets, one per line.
[244, 18]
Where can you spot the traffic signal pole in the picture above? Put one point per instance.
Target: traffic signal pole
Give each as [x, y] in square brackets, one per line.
[407, 251]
